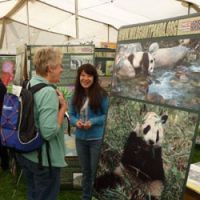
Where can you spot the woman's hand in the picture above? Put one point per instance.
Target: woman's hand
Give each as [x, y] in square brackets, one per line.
[80, 124]
[87, 125]
[62, 107]
[62, 101]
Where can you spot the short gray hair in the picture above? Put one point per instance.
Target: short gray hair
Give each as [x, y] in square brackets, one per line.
[46, 57]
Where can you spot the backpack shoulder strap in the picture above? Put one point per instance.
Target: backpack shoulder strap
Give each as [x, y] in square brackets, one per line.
[37, 87]
[68, 122]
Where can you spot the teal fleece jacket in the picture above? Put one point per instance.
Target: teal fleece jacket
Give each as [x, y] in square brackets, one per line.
[97, 120]
[46, 107]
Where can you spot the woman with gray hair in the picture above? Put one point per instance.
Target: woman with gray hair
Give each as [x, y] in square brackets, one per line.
[43, 183]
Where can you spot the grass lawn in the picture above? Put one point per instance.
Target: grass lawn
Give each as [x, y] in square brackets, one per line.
[9, 191]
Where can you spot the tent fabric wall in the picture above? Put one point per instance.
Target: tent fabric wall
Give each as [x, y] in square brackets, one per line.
[15, 35]
[54, 21]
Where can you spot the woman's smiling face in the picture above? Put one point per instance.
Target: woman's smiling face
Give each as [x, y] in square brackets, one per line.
[86, 80]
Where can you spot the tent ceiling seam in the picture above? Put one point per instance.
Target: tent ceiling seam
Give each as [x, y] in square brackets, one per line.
[39, 28]
[4, 1]
[14, 9]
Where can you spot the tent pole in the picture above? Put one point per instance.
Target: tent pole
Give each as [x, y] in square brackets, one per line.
[6, 37]
[76, 18]
[2, 33]
[189, 5]
[108, 33]
[28, 27]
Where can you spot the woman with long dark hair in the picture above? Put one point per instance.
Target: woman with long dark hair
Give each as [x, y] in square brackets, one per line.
[87, 112]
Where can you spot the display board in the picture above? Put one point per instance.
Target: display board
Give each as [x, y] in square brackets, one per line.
[7, 68]
[104, 60]
[153, 115]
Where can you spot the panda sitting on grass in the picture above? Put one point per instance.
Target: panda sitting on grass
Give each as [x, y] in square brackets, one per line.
[141, 161]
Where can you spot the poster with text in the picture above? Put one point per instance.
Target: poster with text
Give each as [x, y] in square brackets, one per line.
[160, 62]
[104, 61]
[7, 68]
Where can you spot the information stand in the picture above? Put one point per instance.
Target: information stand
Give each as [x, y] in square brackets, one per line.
[104, 60]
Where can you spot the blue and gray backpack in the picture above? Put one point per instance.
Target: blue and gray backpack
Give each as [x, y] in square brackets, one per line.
[17, 126]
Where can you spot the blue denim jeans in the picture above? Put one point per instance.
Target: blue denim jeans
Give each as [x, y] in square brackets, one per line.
[41, 184]
[88, 153]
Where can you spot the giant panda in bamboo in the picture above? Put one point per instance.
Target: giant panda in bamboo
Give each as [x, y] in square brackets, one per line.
[141, 160]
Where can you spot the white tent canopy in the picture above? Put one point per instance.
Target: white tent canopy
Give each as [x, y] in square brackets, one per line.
[49, 22]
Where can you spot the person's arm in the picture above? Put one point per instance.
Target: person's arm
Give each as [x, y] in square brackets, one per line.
[2, 93]
[74, 117]
[72, 114]
[100, 120]
[62, 107]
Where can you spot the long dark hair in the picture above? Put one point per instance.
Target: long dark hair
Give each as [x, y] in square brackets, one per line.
[95, 91]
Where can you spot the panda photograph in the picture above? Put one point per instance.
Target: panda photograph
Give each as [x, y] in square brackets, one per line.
[145, 152]
[164, 71]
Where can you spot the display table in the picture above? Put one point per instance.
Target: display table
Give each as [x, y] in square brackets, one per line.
[192, 191]
[191, 195]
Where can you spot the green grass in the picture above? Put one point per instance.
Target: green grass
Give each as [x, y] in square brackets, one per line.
[9, 191]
